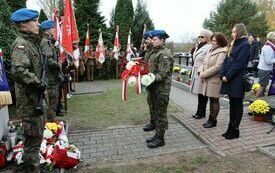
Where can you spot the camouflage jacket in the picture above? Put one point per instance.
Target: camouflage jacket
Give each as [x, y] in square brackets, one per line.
[161, 64]
[49, 51]
[26, 70]
[148, 53]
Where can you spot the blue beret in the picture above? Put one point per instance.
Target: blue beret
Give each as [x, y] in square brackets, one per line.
[23, 15]
[147, 34]
[47, 24]
[160, 33]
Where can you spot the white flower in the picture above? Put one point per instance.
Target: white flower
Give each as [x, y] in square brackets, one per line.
[130, 64]
[148, 79]
[43, 146]
[183, 71]
[47, 134]
[63, 142]
[132, 81]
[18, 157]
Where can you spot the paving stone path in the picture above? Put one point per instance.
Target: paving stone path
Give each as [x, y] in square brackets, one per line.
[253, 134]
[129, 143]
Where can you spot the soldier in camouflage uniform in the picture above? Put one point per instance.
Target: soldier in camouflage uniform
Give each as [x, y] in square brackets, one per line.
[54, 66]
[148, 52]
[160, 65]
[27, 66]
[90, 64]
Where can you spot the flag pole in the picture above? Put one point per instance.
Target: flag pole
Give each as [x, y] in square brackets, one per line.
[117, 30]
[144, 30]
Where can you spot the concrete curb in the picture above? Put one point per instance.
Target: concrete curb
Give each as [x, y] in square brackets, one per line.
[200, 137]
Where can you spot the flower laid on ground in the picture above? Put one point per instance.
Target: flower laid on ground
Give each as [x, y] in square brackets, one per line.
[259, 107]
[176, 68]
[256, 86]
[147, 79]
[183, 71]
[130, 64]
[54, 127]
[132, 81]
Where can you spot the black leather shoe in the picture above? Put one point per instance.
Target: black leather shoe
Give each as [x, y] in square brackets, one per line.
[210, 124]
[149, 127]
[156, 143]
[199, 116]
[151, 139]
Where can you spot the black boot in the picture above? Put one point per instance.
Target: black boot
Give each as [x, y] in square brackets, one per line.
[158, 142]
[149, 127]
[151, 139]
[210, 123]
[233, 134]
[199, 116]
[214, 111]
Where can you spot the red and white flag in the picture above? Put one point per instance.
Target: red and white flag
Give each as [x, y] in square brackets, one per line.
[116, 45]
[57, 30]
[69, 30]
[87, 53]
[100, 49]
[129, 48]
[58, 34]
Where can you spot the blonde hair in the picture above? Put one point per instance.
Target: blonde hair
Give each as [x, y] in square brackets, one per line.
[241, 31]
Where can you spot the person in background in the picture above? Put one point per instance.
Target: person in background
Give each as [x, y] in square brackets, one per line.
[232, 72]
[54, 67]
[254, 54]
[196, 82]
[90, 65]
[210, 75]
[266, 63]
[148, 51]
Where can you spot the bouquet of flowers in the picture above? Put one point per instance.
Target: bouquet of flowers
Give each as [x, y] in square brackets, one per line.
[147, 79]
[176, 69]
[259, 107]
[256, 87]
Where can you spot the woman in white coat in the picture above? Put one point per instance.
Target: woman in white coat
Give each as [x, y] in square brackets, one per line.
[196, 85]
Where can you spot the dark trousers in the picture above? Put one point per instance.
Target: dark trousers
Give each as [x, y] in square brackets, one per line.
[235, 111]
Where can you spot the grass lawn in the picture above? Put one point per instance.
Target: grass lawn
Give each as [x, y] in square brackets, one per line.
[195, 161]
[106, 110]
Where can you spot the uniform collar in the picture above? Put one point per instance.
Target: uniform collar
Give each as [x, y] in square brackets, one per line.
[159, 47]
[30, 36]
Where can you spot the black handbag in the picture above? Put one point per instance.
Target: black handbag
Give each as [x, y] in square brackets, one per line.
[247, 83]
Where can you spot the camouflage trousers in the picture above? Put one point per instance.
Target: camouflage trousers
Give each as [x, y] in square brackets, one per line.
[90, 72]
[53, 101]
[33, 133]
[158, 111]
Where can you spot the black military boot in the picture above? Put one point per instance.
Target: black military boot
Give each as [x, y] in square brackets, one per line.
[158, 142]
[151, 139]
[149, 127]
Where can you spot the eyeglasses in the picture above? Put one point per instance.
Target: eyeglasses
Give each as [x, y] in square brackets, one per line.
[200, 36]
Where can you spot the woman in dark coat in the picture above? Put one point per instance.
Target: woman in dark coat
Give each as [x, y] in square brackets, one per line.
[234, 68]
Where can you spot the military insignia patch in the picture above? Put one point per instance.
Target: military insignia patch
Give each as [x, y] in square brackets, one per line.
[21, 47]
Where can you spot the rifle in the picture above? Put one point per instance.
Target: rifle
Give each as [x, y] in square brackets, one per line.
[44, 83]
